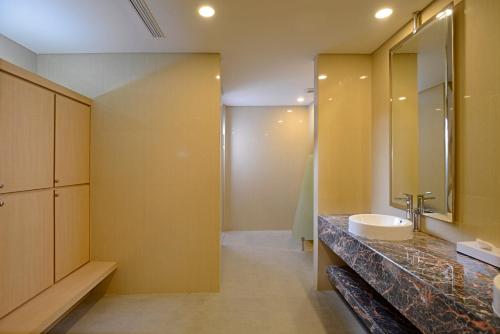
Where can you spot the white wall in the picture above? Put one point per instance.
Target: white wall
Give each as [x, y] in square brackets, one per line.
[96, 74]
[266, 152]
[17, 54]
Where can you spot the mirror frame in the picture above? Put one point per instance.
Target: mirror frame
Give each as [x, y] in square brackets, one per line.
[449, 121]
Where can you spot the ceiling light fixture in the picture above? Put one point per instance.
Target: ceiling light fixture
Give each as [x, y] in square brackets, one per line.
[322, 76]
[289, 110]
[363, 77]
[402, 98]
[217, 77]
[300, 99]
[383, 13]
[206, 11]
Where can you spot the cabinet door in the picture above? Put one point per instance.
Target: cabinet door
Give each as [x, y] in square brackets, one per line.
[26, 246]
[72, 142]
[71, 229]
[26, 135]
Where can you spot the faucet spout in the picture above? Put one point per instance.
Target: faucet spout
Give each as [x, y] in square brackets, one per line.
[408, 199]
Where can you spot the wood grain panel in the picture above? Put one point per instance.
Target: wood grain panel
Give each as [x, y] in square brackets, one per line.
[71, 229]
[26, 135]
[72, 153]
[26, 246]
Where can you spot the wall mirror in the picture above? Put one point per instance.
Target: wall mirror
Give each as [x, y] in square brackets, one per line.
[422, 117]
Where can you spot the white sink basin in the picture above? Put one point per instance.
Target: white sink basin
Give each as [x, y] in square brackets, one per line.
[382, 227]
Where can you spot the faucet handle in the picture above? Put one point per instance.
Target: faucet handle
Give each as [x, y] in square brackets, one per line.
[425, 196]
[405, 197]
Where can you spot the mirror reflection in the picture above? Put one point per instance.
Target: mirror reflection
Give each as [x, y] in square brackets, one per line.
[422, 118]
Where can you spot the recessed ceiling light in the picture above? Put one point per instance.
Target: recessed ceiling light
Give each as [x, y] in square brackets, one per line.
[217, 77]
[289, 110]
[330, 99]
[206, 11]
[322, 76]
[281, 121]
[402, 98]
[363, 77]
[300, 99]
[383, 13]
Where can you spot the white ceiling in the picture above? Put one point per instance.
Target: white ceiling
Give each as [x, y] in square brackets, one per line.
[268, 47]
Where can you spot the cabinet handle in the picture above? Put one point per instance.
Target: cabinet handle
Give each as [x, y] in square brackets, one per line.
[1, 186]
[56, 195]
[56, 181]
[2, 203]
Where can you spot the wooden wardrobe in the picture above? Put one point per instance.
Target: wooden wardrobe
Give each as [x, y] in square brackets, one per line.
[44, 184]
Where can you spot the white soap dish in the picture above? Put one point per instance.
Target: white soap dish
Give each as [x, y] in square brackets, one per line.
[480, 250]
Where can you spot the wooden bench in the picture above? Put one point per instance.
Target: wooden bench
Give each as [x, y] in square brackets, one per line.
[43, 311]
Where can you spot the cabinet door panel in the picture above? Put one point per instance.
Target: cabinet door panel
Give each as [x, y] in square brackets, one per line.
[26, 135]
[26, 246]
[72, 142]
[71, 229]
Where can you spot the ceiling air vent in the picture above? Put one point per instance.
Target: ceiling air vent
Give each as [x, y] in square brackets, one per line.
[147, 17]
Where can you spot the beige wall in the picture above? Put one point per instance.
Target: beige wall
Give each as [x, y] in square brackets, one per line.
[266, 152]
[17, 54]
[478, 123]
[155, 166]
[342, 139]
[344, 134]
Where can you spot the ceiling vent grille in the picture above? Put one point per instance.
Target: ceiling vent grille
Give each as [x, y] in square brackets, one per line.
[147, 17]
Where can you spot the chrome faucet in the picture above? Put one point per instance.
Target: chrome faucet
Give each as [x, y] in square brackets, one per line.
[415, 215]
[408, 199]
[420, 210]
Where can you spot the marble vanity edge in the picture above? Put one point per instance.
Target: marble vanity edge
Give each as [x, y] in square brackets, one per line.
[426, 307]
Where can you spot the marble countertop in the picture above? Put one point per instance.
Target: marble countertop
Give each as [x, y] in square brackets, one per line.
[436, 288]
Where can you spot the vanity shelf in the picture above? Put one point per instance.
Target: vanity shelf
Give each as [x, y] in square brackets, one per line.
[375, 312]
[437, 289]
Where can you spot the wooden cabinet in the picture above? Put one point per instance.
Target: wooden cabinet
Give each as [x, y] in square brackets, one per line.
[71, 229]
[26, 246]
[72, 156]
[44, 137]
[26, 135]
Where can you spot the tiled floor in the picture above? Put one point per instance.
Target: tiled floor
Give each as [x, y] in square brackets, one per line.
[266, 288]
